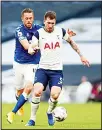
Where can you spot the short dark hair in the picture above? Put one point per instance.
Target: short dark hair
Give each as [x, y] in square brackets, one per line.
[50, 14]
[27, 10]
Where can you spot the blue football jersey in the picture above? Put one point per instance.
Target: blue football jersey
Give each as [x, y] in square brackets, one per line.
[21, 55]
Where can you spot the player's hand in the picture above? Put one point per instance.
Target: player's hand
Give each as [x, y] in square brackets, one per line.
[71, 33]
[31, 50]
[85, 61]
[36, 48]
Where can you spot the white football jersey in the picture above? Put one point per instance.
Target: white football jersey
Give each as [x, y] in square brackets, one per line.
[51, 48]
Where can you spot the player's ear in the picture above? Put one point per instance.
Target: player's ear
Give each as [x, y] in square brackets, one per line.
[44, 22]
[22, 18]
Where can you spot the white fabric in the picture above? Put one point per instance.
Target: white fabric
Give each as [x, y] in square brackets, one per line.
[83, 92]
[23, 73]
[34, 108]
[51, 48]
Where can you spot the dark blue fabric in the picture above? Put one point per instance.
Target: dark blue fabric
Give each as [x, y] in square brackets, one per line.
[51, 77]
[63, 32]
[19, 103]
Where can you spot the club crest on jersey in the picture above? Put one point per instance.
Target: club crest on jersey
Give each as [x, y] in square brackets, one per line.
[52, 45]
[19, 34]
[58, 36]
[27, 34]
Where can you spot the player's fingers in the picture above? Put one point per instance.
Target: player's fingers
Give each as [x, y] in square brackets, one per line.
[71, 33]
[32, 52]
[86, 63]
[37, 48]
[74, 34]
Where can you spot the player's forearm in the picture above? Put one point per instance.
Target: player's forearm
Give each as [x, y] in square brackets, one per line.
[74, 46]
[25, 44]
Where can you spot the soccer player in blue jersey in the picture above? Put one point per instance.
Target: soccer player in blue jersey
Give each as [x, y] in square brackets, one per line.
[25, 64]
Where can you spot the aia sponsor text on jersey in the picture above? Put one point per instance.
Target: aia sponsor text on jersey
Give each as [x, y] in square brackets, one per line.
[52, 45]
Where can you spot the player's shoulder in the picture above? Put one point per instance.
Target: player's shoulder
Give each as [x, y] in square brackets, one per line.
[56, 28]
[19, 28]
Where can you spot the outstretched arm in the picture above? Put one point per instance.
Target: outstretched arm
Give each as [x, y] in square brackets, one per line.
[75, 47]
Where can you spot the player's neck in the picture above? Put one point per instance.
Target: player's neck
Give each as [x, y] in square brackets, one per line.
[27, 27]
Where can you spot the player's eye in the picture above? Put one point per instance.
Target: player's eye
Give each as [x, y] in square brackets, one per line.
[30, 18]
[50, 23]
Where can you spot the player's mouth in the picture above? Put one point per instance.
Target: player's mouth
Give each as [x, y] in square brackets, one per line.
[50, 29]
[28, 23]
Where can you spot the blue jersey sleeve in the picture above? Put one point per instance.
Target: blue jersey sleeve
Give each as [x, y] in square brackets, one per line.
[39, 26]
[63, 32]
[36, 34]
[19, 34]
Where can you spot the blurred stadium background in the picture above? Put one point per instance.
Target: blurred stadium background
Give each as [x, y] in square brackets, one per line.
[82, 17]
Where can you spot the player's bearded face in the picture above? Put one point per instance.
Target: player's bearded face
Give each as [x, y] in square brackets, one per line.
[49, 24]
[28, 19]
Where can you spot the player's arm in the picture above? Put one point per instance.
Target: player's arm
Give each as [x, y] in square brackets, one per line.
[22, 39]
[34, 43]
[25, 43]
[75, 47]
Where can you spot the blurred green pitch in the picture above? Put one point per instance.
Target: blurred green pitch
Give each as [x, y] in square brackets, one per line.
[82, 116]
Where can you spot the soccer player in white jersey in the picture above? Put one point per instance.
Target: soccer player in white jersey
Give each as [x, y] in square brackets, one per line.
[49, 40]
[25, 64]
